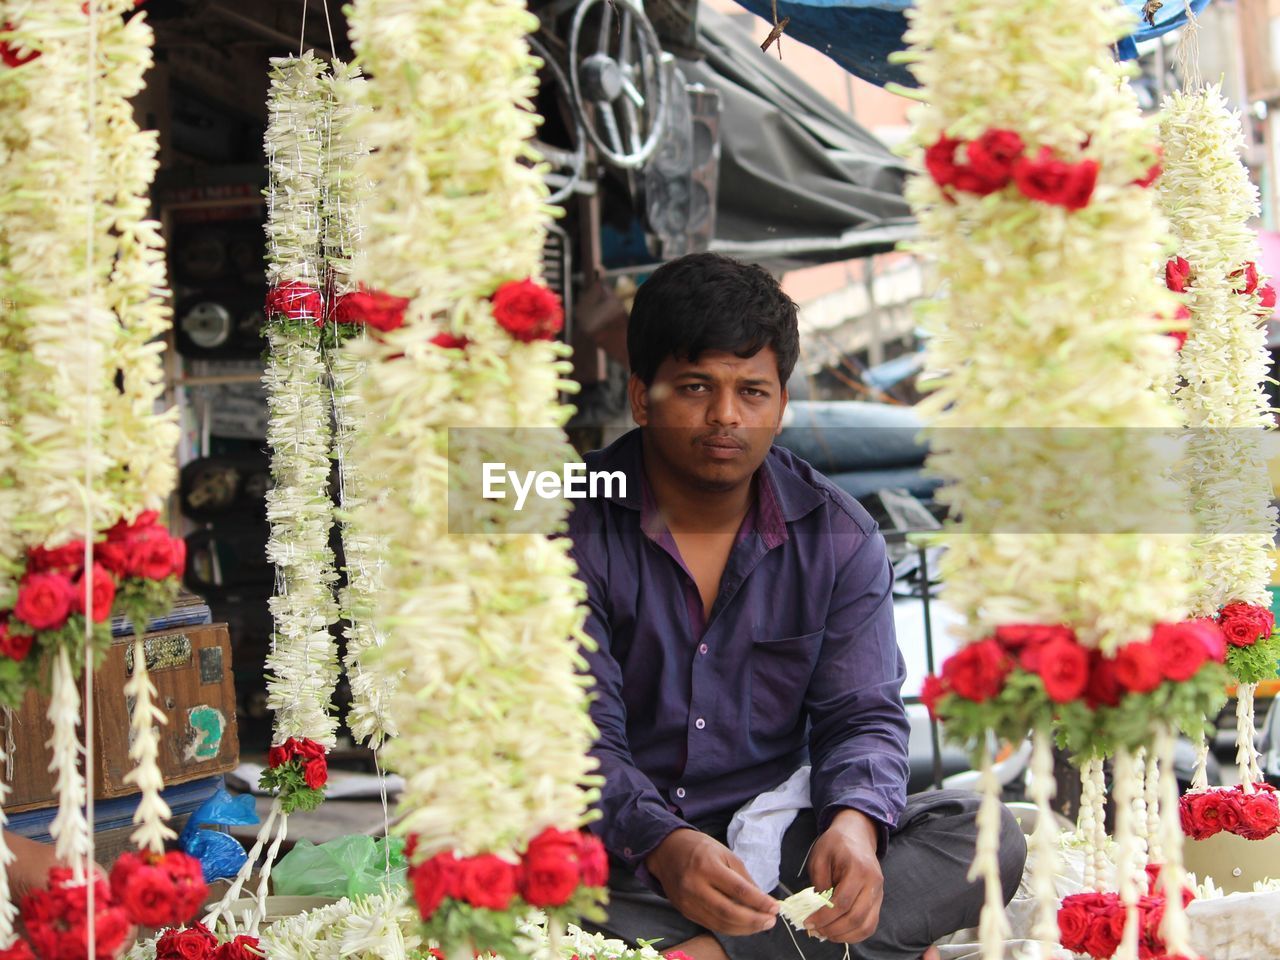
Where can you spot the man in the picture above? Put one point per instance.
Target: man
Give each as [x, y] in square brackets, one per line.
[742, 607]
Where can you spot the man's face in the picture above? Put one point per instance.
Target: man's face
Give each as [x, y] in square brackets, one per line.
[712, 422]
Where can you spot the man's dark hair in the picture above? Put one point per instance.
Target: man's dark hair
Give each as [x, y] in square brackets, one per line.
[705, 301]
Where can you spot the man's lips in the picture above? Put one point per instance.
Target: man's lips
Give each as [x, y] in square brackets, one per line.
[722, 446]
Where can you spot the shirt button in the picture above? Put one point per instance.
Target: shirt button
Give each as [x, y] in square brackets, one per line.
[699, 723]
[680, 792]
[702, 649]
[626, 851]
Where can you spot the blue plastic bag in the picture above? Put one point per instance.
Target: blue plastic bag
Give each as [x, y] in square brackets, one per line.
[220, 854]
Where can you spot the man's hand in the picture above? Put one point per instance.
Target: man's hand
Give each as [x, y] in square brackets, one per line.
[710, 886]
[844, 857]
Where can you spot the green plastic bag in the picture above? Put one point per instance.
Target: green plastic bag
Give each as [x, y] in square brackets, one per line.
[346, 867]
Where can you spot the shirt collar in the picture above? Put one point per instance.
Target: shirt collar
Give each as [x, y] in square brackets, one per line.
[783, 496]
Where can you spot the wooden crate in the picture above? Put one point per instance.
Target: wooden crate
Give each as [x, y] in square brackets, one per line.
[191, 670]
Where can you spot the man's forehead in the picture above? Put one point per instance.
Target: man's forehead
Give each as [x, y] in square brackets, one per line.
[762, 364]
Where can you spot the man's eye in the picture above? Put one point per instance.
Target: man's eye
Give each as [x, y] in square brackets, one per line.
[753, 392]
[692, 387]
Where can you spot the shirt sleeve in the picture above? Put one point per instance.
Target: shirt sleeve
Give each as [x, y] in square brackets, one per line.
[859, 728]
[634, 818]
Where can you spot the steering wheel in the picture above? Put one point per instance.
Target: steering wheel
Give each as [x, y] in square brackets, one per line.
[621, 79]
[567, 165]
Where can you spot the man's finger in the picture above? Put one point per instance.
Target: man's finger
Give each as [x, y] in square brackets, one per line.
[723, 914]
[738, 884]
[858, 921]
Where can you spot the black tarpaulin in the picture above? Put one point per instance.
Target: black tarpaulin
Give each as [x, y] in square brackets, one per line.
[800, 181]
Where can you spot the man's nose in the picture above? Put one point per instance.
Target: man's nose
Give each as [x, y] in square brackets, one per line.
[723, 410]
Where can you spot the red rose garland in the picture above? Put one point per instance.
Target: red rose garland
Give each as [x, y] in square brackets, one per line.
[554, 871]
[134, 571]
[373, 308]
[297, 771]
[158, 891]
[1093, 923]
[1253, 816]
[55, 919]
[1002, 680]
[196, 942]
[1245, 624]
[999, 158]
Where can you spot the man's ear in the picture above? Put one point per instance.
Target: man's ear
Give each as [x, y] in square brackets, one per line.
[638, 394]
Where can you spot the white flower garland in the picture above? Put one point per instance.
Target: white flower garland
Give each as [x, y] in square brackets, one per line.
[302, 666]
[369, 716]
[1210, 201]
[1044, 326]
[492, 714]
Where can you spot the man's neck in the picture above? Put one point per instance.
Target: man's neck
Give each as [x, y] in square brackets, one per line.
[692, 510]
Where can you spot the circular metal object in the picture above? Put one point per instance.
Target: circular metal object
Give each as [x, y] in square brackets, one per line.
[619, 83]
[207, 324]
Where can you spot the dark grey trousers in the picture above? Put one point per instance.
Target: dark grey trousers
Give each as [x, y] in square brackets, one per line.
[926, 893]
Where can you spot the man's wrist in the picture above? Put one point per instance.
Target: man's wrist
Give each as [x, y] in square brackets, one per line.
[857, 826]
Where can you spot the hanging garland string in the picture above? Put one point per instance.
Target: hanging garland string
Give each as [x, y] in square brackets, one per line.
[481, 610]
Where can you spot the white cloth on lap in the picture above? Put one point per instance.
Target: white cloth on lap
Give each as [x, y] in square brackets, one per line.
[756, 830]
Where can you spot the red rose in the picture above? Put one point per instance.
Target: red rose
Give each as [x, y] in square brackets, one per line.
[1259, 816]
[991, 158]
[1177, 275]
[1103, 689]
[449, 342]
[1054, 181]
[20, 950]
[68, 559]
[1136, 668]
[1102, 940]
[316, 773]
[179, 548]
[933, 691]
[1152, 871]
[528, 311]
[1073, 926]
[1210, 636]
[14, 644]
[940, 161]
[241, 948]
[297, 301]
[9, 53]
[193, 943]
[277, 757]
[373, 308]
[1151, 176]
[1217, 808]
[433, 880]
[1244, 624]
[1064, 668]
[549, 871]
[593, 860]
[186, 879]
[148, 898]
[1267, 298]
[44, 600]
[1015, 636]
[1180, 649]
[487, 881]
[1248, 275]
[977, 671]
[104, 594]
[307, 749]
[152, 554]
[1191, 814]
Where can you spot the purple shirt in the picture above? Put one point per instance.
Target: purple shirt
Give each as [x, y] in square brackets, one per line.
[797, 662]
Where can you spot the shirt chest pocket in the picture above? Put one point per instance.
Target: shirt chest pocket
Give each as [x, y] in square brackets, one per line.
[780, 673]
